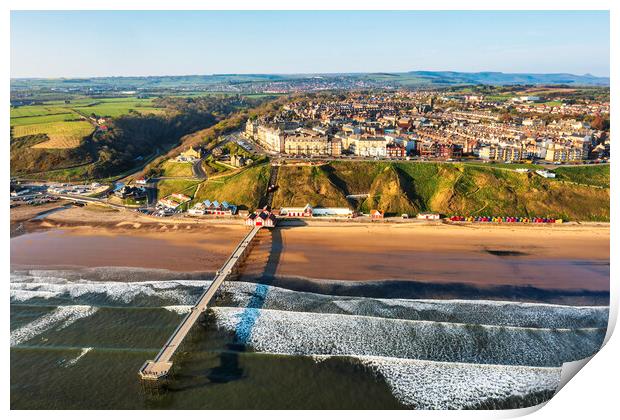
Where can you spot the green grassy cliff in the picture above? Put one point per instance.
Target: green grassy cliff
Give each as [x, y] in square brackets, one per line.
[450, 189]
[243, 189]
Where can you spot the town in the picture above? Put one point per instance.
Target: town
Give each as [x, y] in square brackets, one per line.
[431, 125]
[526, 133]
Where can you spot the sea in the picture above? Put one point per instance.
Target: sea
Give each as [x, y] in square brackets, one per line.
[79, 336]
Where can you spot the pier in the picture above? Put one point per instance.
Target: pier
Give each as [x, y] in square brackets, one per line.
[155, 372]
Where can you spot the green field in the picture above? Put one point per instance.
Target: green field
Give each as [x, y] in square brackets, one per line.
[177, 169]
[553, 103]
[60, 120]
[36, 110]
[61, 134]
[116, 107]
[171, 186]
[43, 119]
[104, 107]
[597, 175]
[498, 98]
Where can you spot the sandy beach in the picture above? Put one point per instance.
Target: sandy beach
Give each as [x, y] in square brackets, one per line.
[568, 257]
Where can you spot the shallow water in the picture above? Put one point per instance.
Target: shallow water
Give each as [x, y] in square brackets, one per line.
[78, 342]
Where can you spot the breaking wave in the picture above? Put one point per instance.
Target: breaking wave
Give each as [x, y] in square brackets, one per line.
[171, 293]
[25, 287]
[78, 357]
[456, 311]
[431, 353]
[179, 309]
[430, 385]
[59, 318]
[302, 333]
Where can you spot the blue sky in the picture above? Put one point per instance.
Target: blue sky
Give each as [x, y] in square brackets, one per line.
[142, 43]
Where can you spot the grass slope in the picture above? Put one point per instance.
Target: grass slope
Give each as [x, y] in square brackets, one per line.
[389, 192]
[171, 186]
[243, 189]
[177, 169]
[588, 175]
[449, 189]
[61, 134]
[298, 185]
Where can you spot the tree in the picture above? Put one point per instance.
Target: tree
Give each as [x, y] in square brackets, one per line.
[600, 123]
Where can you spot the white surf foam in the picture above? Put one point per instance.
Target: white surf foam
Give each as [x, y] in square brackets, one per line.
[302, 333]
[78, 357]
[179, 309]
[26, 287]
[61, 317]
[456, 311]
[35, 285]
[433, 385]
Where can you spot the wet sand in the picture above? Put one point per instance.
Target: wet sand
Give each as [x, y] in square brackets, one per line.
[569, 257]
[175, 249]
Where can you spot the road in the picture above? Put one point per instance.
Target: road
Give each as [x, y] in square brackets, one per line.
[546, 165]
[85, 199]
[151, 192]
[199, 172]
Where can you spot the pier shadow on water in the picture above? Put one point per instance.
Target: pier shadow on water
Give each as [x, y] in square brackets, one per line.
[229, 368]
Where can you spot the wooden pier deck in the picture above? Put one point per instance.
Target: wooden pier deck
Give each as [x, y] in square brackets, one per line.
[159, 368]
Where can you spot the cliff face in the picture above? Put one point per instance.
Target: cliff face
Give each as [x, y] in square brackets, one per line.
[449, 189]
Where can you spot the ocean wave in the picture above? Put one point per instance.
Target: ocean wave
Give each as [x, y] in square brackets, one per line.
[431, 385]
[303, 333]
[25, 287]
[60, 318]
[535, 315]
[83, 353]
[179, 309]
[34, 285]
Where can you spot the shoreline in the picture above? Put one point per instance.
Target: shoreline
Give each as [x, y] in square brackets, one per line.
[570, 258]
[390, 289]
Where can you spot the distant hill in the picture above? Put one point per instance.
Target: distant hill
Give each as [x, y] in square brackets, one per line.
[498, 78]
[336, 80]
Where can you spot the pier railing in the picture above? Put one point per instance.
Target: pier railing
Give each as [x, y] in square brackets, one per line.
[159, 368]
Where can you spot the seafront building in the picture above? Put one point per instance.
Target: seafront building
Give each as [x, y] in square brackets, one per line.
[309, 211]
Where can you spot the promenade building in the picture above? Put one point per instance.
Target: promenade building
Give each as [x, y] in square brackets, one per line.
[505, 153]
[271, 138]
[394, 150]
[251, 129]
[306, 145]
[562, 153]
[364, 145]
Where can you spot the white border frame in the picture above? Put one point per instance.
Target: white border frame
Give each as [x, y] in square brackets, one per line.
[591, 395]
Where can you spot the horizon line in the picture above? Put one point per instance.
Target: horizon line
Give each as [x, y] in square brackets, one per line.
[588, 74]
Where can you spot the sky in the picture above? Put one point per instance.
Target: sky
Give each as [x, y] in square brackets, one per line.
[151, 43]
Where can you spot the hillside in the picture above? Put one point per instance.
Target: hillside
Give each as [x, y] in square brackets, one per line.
[590, 175]
[243, 189]
[299, 185]
[127, 142]
[449, 189]
[412, 78]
